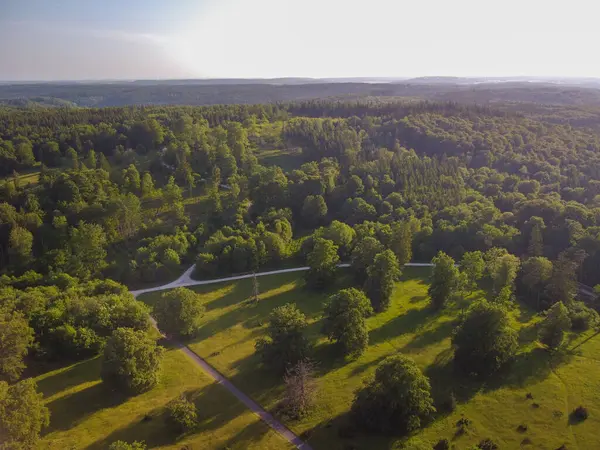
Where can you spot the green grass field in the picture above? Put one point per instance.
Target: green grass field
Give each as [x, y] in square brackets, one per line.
[286, 159]
[85, 416]
[29, 178]
[558, 384]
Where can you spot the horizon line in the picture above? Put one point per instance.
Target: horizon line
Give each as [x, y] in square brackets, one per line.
[387, 78]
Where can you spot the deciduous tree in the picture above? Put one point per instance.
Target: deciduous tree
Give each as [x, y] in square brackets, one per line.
[472, 266]
[397, 399]
[131, 362]
[445, 280]
[286, 343]
[401, 242]
[15, 339]
[504, 272]
[363, 256]
[345, 320]
[20, 246]
[87, 244]
[300, 389]
[179, 312]
[341, 234]
[181, 415]
[554, 326]
[484, 342]
[381, 277]
[323, 261]
[23, 415]
[314, 210]
[562, 286]
[535, 247]
[535, 274]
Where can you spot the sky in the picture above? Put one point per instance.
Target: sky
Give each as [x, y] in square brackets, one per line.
[163, 39]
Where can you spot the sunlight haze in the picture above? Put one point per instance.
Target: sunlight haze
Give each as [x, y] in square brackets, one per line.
[313, 38]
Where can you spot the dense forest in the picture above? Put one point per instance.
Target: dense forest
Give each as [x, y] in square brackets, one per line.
[96, 199]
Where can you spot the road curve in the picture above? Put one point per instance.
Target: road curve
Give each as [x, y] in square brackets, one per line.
[186, 279]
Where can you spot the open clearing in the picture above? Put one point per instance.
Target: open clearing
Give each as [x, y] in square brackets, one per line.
[84, 416]
[497, 408]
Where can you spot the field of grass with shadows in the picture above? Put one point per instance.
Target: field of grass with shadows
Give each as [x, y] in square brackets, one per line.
[85, 415]
[496, 408]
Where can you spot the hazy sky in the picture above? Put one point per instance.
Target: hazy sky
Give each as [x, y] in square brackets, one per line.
[133, 39]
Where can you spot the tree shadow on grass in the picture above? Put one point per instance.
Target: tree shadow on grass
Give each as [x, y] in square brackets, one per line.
[248, 314]
[223, 407]
[575, 418]
[81, 372]
[526, 314]
[66, 412]
[526, 369]
[445, 380]
[36, 367]
[408, 322]
[215, 406]
[238, 293]
[257, 381]
[431, 336]
[363, 367]
[150, 429]
[417, 298]
[328, 357]
[422, 274]
[252, 433]
[254, 316]
[529, 368]
[528, 334]
[347, 434]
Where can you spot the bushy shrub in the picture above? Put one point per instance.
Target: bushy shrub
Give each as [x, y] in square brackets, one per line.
[442, 444]
[580, 413]
[554, 326]
[462, 426]
[122, 445]
[182, 415]
[72, 343]
[487, 444]
[582, 317]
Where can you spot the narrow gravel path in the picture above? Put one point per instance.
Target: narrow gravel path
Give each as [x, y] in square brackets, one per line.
[250, 404]
[185, 280]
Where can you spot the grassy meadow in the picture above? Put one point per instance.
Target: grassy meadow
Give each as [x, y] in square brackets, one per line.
[85, 416]
[498, 409]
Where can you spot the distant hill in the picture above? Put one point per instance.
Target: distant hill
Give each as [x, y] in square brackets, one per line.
[231, 91]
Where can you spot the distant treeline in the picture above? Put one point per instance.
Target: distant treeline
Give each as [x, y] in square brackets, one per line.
[251, 91]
